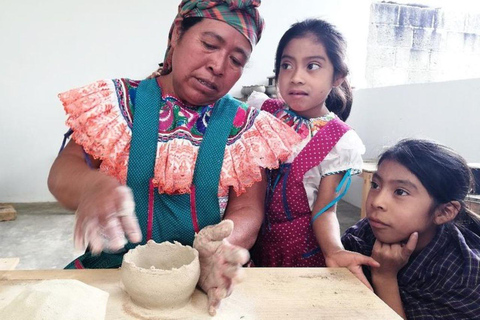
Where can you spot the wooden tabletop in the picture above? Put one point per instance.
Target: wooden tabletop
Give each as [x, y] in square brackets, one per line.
[266, 293]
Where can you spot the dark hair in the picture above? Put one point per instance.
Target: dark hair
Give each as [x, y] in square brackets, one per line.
[443, 172]
[187, 23]
[340, 99]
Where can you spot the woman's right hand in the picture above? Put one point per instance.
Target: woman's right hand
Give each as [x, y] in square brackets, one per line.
[105, 216]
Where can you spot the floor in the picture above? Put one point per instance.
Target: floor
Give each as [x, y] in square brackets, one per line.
[42, 234]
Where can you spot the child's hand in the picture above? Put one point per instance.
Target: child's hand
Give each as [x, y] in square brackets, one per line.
[105, 217]
[393, 257]
[353, 261]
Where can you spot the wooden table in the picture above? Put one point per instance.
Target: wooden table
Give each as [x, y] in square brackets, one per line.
[266, 293]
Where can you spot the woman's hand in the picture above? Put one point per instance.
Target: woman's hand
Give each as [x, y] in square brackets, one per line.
[353, 261]
[105, 215]
[392, 257]
[220, 262]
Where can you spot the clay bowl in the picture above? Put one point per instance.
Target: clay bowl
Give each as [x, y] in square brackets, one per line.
[160, 275]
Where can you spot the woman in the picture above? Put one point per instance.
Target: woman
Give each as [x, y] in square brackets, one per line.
[182, 146]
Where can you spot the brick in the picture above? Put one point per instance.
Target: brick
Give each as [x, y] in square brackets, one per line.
[384, 13]
[416, 16]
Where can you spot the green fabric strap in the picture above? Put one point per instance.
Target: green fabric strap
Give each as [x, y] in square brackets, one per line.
[172, 217]
[210, 160]
[143, 148]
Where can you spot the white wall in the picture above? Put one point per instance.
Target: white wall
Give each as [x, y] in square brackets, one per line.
[448, 112]
[51, 46]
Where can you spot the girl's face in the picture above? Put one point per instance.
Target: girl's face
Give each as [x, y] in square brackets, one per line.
[207, 61]
[306, 76]
[398, 205]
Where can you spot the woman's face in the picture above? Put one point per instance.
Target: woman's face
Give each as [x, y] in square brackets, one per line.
[398, 205]
[208, 59]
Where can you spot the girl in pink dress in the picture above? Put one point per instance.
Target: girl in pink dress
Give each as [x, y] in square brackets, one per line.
[301, 228]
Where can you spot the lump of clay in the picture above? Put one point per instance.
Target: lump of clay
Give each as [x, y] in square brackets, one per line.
[59, 300]
[160, 276]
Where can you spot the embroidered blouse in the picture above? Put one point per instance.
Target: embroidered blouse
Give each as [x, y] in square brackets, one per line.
[101, 116]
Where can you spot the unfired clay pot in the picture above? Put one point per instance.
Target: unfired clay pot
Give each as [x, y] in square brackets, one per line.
[160, 275]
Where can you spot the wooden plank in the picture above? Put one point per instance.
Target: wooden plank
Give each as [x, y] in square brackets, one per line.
[9, 263]
[266, 293]
[7, 212]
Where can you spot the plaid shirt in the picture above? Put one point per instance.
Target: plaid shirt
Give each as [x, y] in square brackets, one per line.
[442, 281]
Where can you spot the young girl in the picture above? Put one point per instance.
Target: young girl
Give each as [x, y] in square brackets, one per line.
[418, 228]
[310, 70]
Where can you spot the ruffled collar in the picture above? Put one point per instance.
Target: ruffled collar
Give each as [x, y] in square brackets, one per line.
[304, 126]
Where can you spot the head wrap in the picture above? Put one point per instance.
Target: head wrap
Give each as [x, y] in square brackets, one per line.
[240, 14]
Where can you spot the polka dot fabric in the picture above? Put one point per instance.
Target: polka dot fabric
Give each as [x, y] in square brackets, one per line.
[288, 240]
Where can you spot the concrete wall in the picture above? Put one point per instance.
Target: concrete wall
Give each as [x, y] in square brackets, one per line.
[51, 46]
[448, 112]
[414, 44]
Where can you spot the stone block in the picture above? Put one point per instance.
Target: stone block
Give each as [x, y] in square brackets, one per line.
[390, 36]
[455, 41]
[7, 212]
[439, 19]
[471, 42]
[416, 16]
[402, 58]
[454, 21]
[472, 24]
[419, 59]
[378, 56]
[426, 39]
[384, 13]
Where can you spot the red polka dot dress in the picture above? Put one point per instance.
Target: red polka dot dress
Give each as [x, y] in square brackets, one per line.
[287, 238]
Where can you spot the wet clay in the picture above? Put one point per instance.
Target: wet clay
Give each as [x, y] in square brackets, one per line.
[159, 276]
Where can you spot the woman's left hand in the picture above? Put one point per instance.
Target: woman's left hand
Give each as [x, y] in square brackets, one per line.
[353, 261]
[220, 262]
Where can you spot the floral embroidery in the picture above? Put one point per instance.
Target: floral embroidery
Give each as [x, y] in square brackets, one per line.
[303, 126]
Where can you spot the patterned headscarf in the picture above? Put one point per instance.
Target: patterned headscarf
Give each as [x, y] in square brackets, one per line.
[240, 14]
